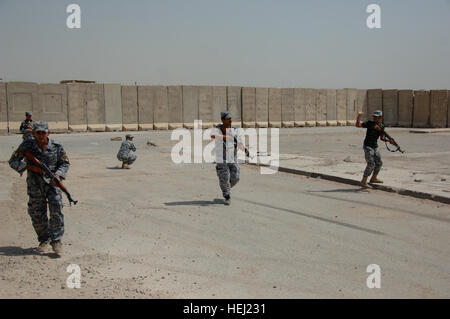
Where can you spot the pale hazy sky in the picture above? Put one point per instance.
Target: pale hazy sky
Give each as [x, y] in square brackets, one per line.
[284, 43]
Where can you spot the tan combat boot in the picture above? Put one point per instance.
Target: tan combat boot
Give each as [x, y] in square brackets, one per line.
[42, 248]
[374, 179]
[364, 181]
[57, 247]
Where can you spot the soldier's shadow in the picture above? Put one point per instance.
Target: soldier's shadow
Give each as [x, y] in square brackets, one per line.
[13, 251]
[195, 203]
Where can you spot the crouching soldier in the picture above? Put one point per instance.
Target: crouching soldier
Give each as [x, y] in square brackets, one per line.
[124, 153]
[40, 189]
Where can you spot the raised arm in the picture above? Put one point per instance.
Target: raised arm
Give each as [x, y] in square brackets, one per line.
[358, 119]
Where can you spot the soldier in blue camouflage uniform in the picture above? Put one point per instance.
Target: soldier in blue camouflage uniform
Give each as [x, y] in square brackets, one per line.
[40, 190]
[227, 141]
[124, 153]
[26, 125]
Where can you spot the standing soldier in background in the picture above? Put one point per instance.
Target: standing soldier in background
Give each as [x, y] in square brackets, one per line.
[26, 125]
[375, 130]
[227, 141]
[124, 153]
[40, 189]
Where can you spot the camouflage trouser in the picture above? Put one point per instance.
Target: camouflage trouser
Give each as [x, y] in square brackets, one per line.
[228, 176]
[128, 159]
[40, 193]
[373, 159]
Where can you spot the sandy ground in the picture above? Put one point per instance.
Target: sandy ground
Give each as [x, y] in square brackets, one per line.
[160, 230]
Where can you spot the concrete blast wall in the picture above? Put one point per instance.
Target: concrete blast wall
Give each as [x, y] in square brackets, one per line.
[21, 97]
[341, 107]
[421, 109]
[115, 107]
[331, 107]
[438, 108]
[234, 104]
[52, 106]
[352, 106]
[175, 105]
[3, 110]
[130, 114]
[287, 107]
[262, 107]
[248, 107]
[390, 107]
[321, 107]
[274, 107]
[299, 107]
[405, 107]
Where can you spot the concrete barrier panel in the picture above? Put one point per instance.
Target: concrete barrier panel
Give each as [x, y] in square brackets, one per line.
[219, 102]
[374, 101]
[321, 107]
[299, 107]
[21, 97]
[248, 107]
[438, 108]
[310, 110]
[3, 110]
[287, 107]
[234, 104]
[113, 107]
[331, 107]
[390, 107]
[262, 107]
[274, 107]
[341, 107]
[77, 101]
[352, 104]
[160, 108]
[52, 106]
[421, 109]
[405, 108]
[205, 106]
[175, 101]
[362, 101]
[146, 101]
[129, 108]
[95, 108]
[190, 106]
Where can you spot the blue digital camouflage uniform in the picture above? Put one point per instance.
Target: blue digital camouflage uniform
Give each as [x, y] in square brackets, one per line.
[40, 190]
[24, 129]
[227, 167]
[124, 152]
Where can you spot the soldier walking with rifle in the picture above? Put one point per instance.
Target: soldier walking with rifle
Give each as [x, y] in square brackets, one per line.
[375, 130]
[47, 164]
[227, 141]
[26, 126]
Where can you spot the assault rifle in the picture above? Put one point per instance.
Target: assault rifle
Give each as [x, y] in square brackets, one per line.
[392, 141]
[52, 176]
